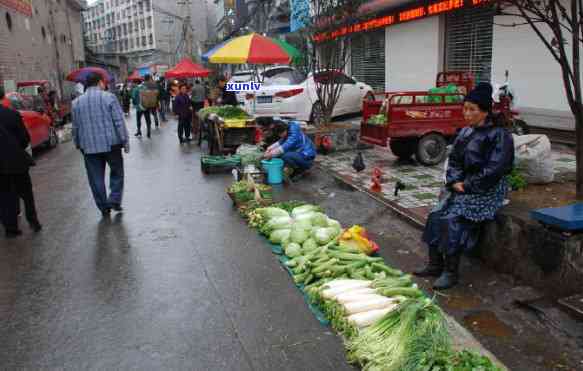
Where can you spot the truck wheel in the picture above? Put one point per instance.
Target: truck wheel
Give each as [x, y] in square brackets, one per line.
[519, 127]
[431, 149]
[402, 148]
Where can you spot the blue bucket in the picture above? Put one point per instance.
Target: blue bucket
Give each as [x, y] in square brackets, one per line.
[274, 168]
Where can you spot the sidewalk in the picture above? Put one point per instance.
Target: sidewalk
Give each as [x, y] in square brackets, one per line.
[422, 183]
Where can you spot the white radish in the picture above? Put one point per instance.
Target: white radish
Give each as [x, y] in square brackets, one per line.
[356, 295]
[365, 319]
[332, 292]
[368, 305]
[342, 282]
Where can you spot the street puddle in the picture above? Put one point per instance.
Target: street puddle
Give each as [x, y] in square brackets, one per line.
[486, 323]
[462, 302]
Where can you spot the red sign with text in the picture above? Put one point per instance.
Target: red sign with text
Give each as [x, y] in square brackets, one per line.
[406, 15]
[21, 6]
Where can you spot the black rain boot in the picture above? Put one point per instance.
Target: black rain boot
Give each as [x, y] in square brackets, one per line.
[449, 277]
[435, 266]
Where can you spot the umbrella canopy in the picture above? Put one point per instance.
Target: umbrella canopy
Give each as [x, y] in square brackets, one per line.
[187, 69]
[81, 74]
[252, 49]
[135, 76]
[291, 50]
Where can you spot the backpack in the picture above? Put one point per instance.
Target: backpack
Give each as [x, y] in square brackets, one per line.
[149, 97]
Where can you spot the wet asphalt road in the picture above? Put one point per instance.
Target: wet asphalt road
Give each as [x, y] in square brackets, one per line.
[177, 282]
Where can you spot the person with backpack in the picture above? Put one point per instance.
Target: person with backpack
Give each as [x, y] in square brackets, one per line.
[164, 99]
[146, 99]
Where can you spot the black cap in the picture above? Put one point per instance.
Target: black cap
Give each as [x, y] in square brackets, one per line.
[482, 96]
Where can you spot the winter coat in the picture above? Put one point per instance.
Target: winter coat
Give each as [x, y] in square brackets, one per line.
[297, 141]
[14, 138]
[483, 161]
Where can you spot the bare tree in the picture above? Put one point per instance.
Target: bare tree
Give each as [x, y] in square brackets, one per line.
[558, 24]
[328, 53]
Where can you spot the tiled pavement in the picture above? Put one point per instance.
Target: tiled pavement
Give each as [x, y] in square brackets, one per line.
[422, 183]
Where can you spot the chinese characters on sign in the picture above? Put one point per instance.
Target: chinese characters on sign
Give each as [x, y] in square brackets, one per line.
[406, 15]
[22, 6]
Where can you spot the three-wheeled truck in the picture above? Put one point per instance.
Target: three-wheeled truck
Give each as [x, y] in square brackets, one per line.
[422, 123]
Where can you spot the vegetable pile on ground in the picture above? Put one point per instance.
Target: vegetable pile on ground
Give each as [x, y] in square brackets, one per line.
[225, 112]
[387, 322]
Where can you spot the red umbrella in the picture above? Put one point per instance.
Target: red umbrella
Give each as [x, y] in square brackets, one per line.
[81, 74]
[135, 77]
[187, 69]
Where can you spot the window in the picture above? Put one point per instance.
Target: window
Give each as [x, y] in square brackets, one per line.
[149, 20]
[289, 77]
[63, 38]
[151, 37]
[143, 24]
[144, 41]
[8, 21]
[137, 42]
[43, 32]
[131, 43]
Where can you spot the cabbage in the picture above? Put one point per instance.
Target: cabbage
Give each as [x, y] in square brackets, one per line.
[304, 223]
[281, 222]
[304, 209]
[293, 249]
[325, 235]
[335, 224]
[279, 235]
[271, 212]
[305, 216]
[319, 220]
[299, 235]
[309, 244]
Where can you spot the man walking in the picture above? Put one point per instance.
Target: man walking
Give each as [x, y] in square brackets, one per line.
[183, 109]
[15, 182]
[198, 98]
[146, 100]
[164, 99]
[100, 133]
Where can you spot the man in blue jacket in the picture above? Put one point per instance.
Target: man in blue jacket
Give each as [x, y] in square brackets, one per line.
[294, 147]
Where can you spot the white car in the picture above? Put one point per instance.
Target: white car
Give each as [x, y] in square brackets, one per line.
[291, 94]
[250, 75]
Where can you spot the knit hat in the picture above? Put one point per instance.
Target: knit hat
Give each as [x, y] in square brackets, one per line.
[482, 96]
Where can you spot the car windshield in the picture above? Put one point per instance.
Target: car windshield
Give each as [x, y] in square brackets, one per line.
[285, 77]
[242, 76]
[16, 102]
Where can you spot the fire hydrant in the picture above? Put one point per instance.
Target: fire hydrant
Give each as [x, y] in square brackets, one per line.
[376, 180]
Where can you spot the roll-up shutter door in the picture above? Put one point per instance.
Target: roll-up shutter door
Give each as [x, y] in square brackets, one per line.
[469, 41]
[368, 58]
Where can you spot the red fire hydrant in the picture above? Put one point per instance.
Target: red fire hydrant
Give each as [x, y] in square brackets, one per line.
[376, 180]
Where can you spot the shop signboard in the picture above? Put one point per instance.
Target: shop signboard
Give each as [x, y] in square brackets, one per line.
[300, 14]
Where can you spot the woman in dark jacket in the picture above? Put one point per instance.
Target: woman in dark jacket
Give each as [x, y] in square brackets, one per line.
[183, 109]
[482, 156]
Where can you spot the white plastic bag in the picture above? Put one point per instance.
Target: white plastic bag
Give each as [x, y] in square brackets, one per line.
[533, 158]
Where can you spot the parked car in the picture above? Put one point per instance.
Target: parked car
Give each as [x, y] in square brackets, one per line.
[60, 113]
[250, 75]
[39, 124]
[290, 93]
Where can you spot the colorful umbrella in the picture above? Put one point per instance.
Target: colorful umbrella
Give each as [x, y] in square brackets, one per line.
[252, 49]
[187, 69]
[135, 76]
[81, 74]
[291, 50]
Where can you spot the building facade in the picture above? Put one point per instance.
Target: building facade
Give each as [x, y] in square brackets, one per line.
[39, 40]
[147, 31]
[402, 45]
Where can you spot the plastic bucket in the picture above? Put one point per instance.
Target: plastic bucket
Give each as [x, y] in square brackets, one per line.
[274, 168]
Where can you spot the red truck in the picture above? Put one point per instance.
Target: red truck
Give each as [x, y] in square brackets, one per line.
[60, 113]
[422, 123]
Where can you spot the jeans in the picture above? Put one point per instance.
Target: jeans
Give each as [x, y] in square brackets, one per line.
[147, 113]
[296, 160]
[95, 165]
[164, 107]
[184, 127]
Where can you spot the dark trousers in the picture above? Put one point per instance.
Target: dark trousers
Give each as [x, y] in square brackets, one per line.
[95, 165]
[164, 107]
[297, 161]
[12, 189]
[148, 115]
[184, 127]
[450, 235]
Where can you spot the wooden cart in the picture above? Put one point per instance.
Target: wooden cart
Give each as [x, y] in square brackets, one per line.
[224, 136]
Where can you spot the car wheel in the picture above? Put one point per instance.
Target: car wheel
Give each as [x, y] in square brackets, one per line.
[403, 148]
[431, 149]
[53, 138]
[317, 115]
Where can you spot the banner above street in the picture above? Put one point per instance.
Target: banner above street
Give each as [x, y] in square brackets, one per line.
[21, 6]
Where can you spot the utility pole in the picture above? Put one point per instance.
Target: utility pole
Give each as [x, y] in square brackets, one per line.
[184, 7]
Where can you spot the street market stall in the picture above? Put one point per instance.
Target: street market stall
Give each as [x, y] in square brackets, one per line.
[386, 321]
